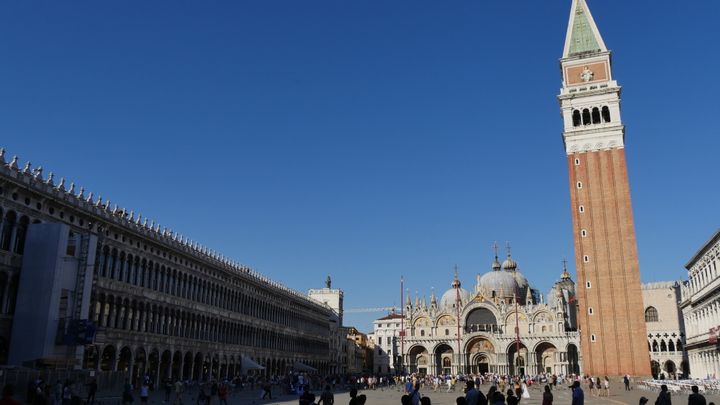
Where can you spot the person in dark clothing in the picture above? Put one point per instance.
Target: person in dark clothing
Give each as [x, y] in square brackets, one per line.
[696, 398]
[643, 401]
[578, 396]
[511, 398]
[664, 397]
[92, 390]
[498, 398]
[547, 396]
[460, 401]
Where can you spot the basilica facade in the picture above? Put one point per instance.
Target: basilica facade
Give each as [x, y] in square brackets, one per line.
[502, 325]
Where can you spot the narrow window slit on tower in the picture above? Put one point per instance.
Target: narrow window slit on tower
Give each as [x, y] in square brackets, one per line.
[581, 208]
[586, 258]
[595, 115]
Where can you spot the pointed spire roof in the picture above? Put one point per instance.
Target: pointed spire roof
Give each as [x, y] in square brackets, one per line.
[583, 36]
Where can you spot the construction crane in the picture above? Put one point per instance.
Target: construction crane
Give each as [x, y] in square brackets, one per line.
[365, 310]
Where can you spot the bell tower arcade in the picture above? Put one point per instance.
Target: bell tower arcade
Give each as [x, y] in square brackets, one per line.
[611, 312]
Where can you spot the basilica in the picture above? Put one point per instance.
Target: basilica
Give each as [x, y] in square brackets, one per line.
[505, 326]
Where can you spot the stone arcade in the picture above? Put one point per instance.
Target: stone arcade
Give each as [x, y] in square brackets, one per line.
[162, 304]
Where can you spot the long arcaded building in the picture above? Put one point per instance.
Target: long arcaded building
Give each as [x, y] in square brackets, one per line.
[84, 283]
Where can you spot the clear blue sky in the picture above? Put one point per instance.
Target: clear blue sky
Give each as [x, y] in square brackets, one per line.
[365, 139]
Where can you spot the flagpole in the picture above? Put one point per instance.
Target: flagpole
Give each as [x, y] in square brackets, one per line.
[402, 325]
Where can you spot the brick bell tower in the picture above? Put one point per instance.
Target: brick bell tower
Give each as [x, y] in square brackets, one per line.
[611, 310]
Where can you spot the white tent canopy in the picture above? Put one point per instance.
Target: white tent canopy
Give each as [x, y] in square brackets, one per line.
[303, 367]
[248, 364]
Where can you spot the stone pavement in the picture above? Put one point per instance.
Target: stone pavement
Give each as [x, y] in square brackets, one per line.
[391, 396]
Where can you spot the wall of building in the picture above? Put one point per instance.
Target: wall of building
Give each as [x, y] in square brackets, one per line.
[163, 305]
[666, 329]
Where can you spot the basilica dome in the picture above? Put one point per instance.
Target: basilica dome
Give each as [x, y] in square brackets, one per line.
[500, 284]
[450, 297]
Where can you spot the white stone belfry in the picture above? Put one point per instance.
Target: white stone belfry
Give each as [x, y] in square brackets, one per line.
[589, 98]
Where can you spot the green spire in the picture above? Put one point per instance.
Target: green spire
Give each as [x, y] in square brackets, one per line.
[583, 35]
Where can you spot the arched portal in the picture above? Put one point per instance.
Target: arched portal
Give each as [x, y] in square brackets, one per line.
[573, 359]
[481, 356]
[107, 360]
[517, 358]
[443, 359]
[188, 366]
[545, 357]
[165, 363]
[153, 365]
[140, 366]
[419, 359]
[125, 360]
[177, 365]
[655, 368]
[91, 357]
[670, 368]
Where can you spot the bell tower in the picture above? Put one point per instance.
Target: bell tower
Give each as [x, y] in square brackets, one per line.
[611, 312]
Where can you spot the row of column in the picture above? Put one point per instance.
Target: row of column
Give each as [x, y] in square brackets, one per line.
[705, 318]
[704, 364]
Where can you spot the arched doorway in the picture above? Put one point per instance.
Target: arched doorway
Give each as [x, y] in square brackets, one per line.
[188, 366]
[573, 359]
[177, 365]
[140, 366]
[545, 358]
[443, 359]
[165, 365]
[125, 359]
[517, 355]
[419, 359]
[655, 368]
[153, 366]
[91, 357]
[481, 355]
[670, 368]
[107, 360]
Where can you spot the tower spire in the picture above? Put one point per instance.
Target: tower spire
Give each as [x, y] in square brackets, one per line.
[583, 36]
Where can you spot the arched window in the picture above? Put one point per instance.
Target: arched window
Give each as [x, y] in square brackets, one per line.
[577, 120]
[606, 114]
[586, 117]
[671, 346]
[663, 346]
[595, 115]
[655, 347]
[679, 345]
[651, 314]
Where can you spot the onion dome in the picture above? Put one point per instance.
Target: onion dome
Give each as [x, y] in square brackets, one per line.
[499, 284]
[449, 298]
[509, 264]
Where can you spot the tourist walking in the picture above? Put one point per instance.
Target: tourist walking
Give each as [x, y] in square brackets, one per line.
[547, 396]
[127, 397]
[92, 390]
[626, 381]
[327, 397]
[511, 398]
[578, 397]
[606, 386]
[144, 392]
[696, 398]
[664, 396]
[472, 395]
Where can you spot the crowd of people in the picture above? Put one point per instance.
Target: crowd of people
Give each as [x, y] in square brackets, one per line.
[312, 389]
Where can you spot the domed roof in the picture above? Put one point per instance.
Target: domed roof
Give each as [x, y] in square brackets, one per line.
[450, 297]
[509, 264]
[503, 283]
